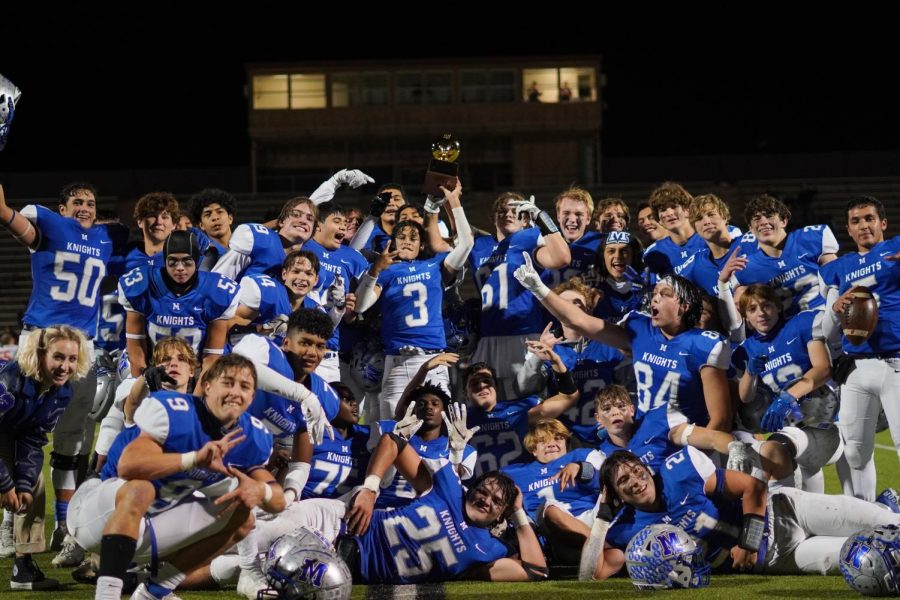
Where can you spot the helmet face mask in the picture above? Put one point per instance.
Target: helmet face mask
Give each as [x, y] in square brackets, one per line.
[870, 559]
[9, 97]
[304, 565]
[665, 556]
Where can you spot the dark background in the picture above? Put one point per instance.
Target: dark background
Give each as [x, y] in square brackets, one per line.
[162, 86]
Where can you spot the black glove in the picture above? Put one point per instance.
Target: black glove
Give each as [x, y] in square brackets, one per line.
[156, 376]
[379, 203]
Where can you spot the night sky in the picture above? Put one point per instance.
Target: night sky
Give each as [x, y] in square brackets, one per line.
[120, 88]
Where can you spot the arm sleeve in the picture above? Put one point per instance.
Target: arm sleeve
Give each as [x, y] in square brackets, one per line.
[464, 241]
[363, 233]
[530, 378]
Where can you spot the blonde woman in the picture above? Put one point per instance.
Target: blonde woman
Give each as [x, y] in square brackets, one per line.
[34, 391]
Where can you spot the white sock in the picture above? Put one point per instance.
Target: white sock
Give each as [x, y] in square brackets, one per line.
[108, 588]
[169, 576]
[225, 569]
[248, 549]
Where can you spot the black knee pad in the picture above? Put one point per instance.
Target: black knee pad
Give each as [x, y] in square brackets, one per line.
[63, 462]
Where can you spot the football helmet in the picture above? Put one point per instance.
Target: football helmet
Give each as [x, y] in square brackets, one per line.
[665, 556]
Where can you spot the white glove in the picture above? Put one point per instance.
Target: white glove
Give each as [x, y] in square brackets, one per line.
[316, 421]
[525, 206]
[337, 295]
[529, 278]
[458, 432]
[277, 327]
[433, 205]
[409, 424]
[352, 177]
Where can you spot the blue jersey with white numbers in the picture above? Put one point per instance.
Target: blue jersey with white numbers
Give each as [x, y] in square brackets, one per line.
[427, 540]
[668, 370]
[412, 294]
[583, 251]
[263, 246]
[534, 480]
[268, 297]
[139, 258]
[703, 269]
[181, 423]
[650, 438]
[399, 492]
[507, 308]
[110, 323]
[344, 261]
[662, 256]
[66, 270]
[338, 465]
[681, 482]
[882, 277]
[281, 416]
[499, 441]
[592, 369]
[785, 348]
[794, 274]
[144, 291]
[618, 299]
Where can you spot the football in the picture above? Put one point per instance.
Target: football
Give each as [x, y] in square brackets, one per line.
[861, 315]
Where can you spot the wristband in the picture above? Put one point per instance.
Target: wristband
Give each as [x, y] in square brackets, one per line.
[565, 383]
[586, 471]
[520, 518]
[8, 223]
[373, 483]
[686, 434]
[268, 495]
[188, 460]
[752, 531]
[545, 223]
[135, 336]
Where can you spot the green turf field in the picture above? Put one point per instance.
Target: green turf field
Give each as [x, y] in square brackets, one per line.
[732, 587]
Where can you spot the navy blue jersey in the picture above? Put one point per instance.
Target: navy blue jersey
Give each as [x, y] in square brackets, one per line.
[338, 465]
[681, 482]
[882, 277]
[181, 423]
[499, 441]
[400, 492]
[281, 416]
[583, 251]
[650, 438]
[592, 369]
[144, 291]
[507, 308]
[794, 274]
[378, 239]
[66, 270]
[785, 348]
[412, 294]
[427, 540]
[668, 370]
[27, 415]
[619, 298]
[533, 479]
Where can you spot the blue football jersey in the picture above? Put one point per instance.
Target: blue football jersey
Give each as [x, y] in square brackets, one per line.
[499, 441]
[619, 298]
[346, 262]
[583, 251]
[66, 270]
[263, 246]
[281, 416]
[650, 438]
[110, 323]
[534, 480]
[662, 256]
[668, 370]
[412, 293]
[400, 492]
[785, 348]
[882, 277]
[506, 307]
[144, 291]
[427, 540]
[267, 296]
[181, 423]
[592, 369]
[680, 483]
[794, 274]
[702, 269]
[338, 465]
[378, 239]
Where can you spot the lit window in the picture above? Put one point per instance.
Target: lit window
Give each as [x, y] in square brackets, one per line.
[270, 92]
[565, 84]
[308, 91]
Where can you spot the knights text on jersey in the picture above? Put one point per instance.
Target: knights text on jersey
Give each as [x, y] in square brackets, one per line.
[338, 465]
[412, 294]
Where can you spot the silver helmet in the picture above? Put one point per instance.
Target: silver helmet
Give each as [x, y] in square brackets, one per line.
[304, 565]
[869, 561]
[106, 386]
[665, 556]
[9, 97]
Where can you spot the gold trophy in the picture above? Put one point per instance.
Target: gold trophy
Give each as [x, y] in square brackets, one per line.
[442, 171]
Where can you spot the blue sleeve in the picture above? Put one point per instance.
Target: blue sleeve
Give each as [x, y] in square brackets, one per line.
[29, 457]
[384, 278]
